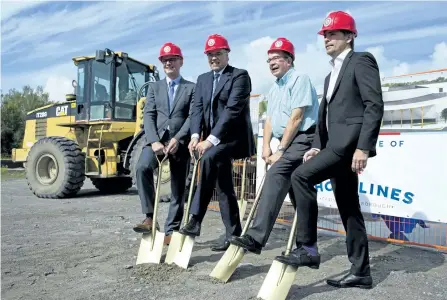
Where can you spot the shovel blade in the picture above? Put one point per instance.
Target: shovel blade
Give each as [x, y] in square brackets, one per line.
[174, 246]
[278, 282]
[228, 263]
[242, 208]
[145, 254]
[180, 250]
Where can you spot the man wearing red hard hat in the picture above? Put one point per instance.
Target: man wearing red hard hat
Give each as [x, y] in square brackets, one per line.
[292, 113]
[166, 130]
[349, 121]
[221, 114]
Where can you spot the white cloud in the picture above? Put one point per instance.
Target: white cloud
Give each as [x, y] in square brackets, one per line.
[405, 35]
[252, 57]
[217, 10]
[96, 24]
[394, 67]
[11, 8]
[41, 39]
[439, 57]
[57, 87]
[314, 62]
[56, 80]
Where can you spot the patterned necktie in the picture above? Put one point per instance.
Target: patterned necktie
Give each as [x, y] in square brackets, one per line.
[216, 78]
[171, 95]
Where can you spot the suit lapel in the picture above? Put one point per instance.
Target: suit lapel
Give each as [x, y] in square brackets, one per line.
[342, 71]
[208, 90]
[163, 91]
[326, 85]
[223, 79]
[178, 93]
[323, 103]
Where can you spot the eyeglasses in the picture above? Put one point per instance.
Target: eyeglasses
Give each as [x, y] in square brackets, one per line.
[171, 60]
[275, 58]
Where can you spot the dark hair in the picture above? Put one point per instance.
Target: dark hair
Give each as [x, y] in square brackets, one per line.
[346, 32]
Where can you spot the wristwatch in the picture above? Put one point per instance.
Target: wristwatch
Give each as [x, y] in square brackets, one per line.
[281, 149]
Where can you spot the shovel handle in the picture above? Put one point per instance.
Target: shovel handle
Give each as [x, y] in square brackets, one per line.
[196, 158]
[255, 203]
[244, 172]
[157, 196]
[160, 162]
[292, 234]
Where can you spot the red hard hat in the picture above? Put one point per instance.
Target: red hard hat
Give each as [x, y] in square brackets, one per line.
[216, 42]
[170, 49]
[283, 44]
[338, 20]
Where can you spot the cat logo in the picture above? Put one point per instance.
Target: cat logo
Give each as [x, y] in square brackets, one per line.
[61, 111]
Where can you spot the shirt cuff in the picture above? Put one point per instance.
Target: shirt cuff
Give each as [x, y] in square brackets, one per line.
[316, 149]
[213, 140]
[195, 136]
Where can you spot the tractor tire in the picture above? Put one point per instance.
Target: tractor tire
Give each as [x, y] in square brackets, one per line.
[113, 185]
[165, 185]
[55, 168]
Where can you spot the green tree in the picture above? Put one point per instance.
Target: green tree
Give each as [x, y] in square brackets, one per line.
[444, 114]
[14, 106]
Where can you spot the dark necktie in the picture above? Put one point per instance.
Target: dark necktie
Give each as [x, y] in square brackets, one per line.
[216, 78]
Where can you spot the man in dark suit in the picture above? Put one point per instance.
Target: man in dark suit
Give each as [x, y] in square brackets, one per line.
[221, 113]
[350, 115]
[166, 127]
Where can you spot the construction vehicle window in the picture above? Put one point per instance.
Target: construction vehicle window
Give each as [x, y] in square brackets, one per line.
[101, 91]
[130, 76]
[80, 84]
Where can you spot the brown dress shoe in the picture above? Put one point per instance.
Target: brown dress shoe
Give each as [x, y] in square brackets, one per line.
[167, 240]
[145, 226]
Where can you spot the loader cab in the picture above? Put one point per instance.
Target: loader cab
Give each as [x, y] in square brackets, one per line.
[107, 86]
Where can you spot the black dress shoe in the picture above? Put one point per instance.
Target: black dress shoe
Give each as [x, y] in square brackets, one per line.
[221, 247]
[247, 242]
[191, 229]
[300, 258]
[351, 280]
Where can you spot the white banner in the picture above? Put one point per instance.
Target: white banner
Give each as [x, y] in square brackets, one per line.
[407, 178]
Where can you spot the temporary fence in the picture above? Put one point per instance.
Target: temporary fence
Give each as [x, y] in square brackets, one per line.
[407, 231]
[393, 216]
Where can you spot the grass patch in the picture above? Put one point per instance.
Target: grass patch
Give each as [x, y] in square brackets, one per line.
[12, 174]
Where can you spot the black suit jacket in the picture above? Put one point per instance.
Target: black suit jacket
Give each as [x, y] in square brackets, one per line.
[355, 109]
[231, 110]
[157, 117]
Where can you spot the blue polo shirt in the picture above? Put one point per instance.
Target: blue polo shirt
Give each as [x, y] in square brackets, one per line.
[287, 93]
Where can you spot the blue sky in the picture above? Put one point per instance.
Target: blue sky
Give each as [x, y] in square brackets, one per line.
[38, 39]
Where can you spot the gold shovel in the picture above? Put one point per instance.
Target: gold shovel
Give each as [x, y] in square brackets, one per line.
[234, 254]
[151, 246]
[180, 246]
[280, 277]
[242, 201]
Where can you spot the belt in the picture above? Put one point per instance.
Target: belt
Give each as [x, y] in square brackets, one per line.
[310, 130]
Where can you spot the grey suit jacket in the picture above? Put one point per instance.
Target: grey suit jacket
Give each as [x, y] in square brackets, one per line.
[157, 117]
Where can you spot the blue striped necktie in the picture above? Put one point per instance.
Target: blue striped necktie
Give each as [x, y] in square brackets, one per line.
[171, 95]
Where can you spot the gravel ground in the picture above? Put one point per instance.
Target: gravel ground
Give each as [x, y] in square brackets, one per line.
[85, 248]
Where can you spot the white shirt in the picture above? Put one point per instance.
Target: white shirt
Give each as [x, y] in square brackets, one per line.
[336, 67]
[211, 138]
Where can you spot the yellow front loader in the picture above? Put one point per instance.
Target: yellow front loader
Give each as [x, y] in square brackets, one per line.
[96, 133]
